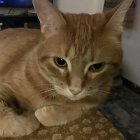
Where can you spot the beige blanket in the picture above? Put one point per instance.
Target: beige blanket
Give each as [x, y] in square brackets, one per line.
[92, 126]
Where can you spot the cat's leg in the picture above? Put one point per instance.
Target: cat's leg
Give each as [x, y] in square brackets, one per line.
[14, 120]
[58, 115]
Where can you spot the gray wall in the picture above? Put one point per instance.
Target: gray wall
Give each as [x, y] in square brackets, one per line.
[131, 47]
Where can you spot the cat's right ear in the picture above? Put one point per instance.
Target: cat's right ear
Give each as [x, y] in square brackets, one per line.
[116, 16]
[50, 18]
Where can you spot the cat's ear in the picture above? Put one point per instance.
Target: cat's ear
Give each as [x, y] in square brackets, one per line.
[116, 16]
[50, 18]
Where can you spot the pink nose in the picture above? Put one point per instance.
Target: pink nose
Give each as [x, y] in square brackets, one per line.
[75, 91]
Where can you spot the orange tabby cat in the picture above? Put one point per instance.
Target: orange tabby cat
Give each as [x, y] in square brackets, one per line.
[53, 76]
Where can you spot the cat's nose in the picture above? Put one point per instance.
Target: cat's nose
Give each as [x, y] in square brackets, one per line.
[75, 91]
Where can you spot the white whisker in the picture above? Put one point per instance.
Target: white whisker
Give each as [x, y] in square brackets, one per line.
[99, 92]
[104, 91]
[46, 91]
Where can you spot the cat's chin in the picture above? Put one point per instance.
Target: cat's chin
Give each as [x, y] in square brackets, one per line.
[75, 98]
[72, 97]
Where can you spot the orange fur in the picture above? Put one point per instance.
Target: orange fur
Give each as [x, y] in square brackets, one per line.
[31, 82]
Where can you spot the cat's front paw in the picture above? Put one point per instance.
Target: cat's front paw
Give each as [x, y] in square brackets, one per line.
[51, 116]
[17, 126]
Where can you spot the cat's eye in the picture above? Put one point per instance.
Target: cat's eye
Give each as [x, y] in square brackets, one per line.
[60, 62]
[96, 67]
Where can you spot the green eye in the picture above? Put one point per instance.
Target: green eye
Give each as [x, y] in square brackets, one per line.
[60, 62]
[96, 67]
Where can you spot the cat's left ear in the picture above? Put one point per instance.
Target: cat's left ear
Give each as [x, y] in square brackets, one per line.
[50, 18]
[116, 16]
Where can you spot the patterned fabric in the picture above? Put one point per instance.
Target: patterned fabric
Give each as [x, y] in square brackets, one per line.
[91, 126]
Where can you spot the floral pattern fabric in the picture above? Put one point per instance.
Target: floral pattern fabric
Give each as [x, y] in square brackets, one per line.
[91, 126]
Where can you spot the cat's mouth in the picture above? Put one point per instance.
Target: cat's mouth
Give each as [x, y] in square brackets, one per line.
[66, 92]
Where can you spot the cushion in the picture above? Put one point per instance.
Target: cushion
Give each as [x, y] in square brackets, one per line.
[91, 126]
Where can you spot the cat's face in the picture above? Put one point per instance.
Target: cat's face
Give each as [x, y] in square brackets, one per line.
[80, 53]
[78, 61]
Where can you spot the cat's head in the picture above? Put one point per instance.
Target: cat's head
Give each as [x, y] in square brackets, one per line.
[80, 53]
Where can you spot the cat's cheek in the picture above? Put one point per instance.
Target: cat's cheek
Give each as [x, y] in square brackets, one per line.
[62, 92]
[90, 76]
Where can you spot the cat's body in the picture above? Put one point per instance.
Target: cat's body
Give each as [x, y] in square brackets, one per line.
[22, 86]
[15, 59]
[54, 76]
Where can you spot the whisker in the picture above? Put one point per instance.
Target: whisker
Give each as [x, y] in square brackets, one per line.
[103, 92]
[46, 91]
[52, 95]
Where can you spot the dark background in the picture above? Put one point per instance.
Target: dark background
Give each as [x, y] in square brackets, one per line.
[17, 3]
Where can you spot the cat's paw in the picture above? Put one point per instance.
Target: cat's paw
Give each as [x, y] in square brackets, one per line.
[51, 116]
[17, 126]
